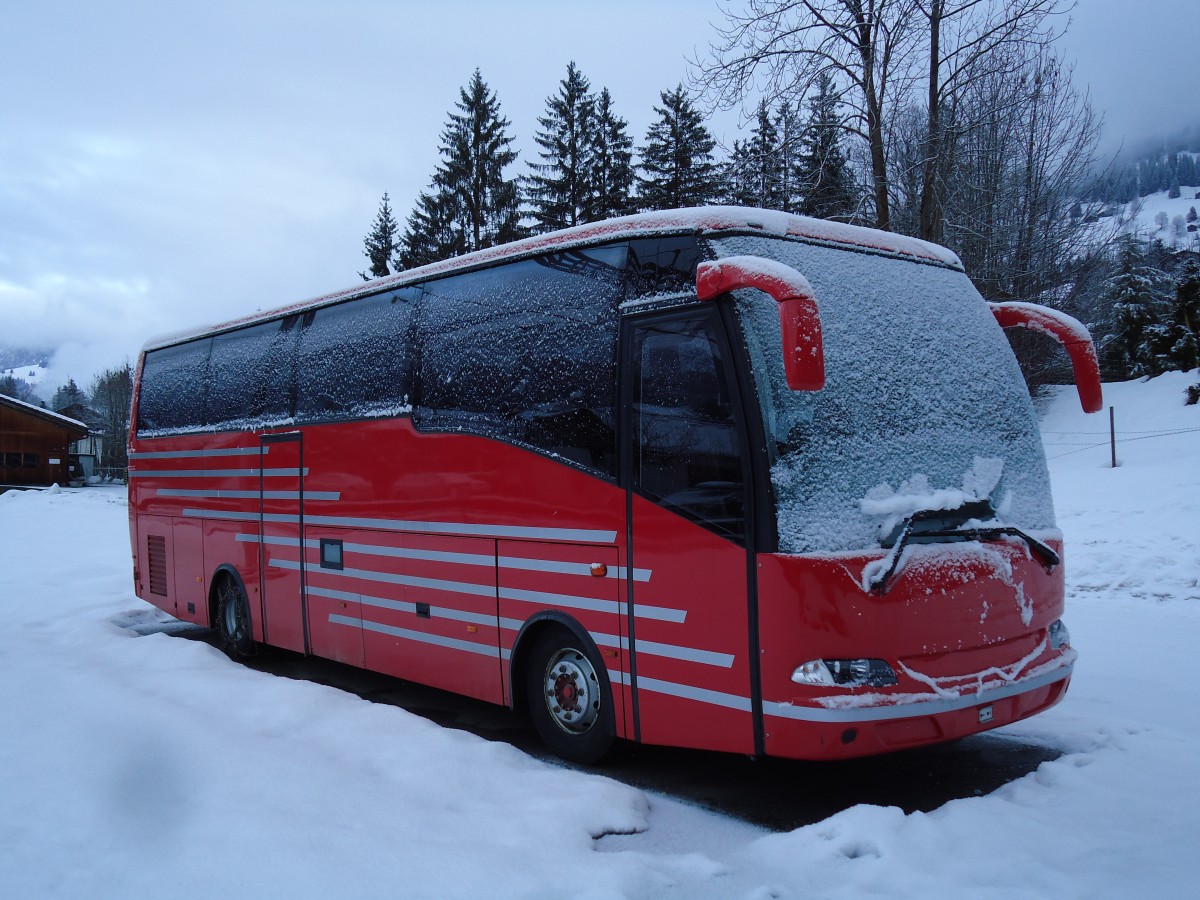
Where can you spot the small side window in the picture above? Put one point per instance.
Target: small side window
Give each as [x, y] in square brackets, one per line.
[331, 554]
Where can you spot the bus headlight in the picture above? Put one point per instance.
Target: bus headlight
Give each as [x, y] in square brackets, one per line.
[1059, 636]
[849, 673]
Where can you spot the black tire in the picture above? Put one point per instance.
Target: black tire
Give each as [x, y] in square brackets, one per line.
[569, 697]
[233, 620]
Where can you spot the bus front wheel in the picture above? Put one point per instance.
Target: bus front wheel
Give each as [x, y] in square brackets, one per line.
[569, 697]
[233, 620]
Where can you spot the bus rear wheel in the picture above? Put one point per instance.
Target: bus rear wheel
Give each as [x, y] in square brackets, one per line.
[233, 620]
[569, 696]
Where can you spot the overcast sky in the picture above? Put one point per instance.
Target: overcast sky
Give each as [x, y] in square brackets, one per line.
[164, 166]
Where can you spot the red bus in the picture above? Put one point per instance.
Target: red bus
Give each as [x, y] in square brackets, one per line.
[716, 478]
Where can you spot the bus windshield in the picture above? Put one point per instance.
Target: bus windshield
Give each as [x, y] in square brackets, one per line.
[924, 405]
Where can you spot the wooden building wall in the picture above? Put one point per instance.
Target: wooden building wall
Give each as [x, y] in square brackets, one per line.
[33, 450]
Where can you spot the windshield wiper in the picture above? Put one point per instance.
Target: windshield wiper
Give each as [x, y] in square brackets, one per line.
[929, 526]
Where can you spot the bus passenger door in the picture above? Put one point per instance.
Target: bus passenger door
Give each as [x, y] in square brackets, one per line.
[282, 552]
[684, 465]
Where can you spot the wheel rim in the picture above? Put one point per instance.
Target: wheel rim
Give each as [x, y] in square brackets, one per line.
[233, 614]
[572, 691]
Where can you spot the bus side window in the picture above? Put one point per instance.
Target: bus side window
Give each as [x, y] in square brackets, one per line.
[355, 359]
[173, 388]
[250, 374]
[687, 448]
[527, 352]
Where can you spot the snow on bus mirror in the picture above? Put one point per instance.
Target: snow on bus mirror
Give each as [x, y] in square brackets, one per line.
[1069, 332]
[799, 318]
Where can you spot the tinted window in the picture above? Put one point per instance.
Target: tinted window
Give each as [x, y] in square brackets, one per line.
[663, 266]
[355, 359]
[687, 448]
[250, 375]
[526, 352]
[172, 388]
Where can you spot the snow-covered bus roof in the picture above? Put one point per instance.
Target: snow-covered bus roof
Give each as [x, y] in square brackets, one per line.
[706, 220]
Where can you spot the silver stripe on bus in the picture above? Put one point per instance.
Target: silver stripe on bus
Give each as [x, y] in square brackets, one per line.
[216, 473]
[566, 568]
[542, 598]
[670, 651]
[435, 584]
[436, 612]
[687, 691]
[545, 598]
[247, 495]
[198, 454]
[931, 707]
[466, 559]
[277, 518]
[494, 531]
[500, 531]
[422, 637]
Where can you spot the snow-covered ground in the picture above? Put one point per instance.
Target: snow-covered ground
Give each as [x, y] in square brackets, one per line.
[34, 375]
[1144, 219]
[147, 766]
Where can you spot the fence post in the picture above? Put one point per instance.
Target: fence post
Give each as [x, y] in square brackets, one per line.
[1112, 435]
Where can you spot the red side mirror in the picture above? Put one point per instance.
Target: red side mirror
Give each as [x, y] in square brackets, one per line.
[799, 318]
[1069, 332]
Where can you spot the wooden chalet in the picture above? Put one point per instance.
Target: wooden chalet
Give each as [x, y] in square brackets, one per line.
[34, 444]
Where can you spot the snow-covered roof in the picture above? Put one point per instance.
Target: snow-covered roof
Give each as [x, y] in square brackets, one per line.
[699, 220]
[56, 418]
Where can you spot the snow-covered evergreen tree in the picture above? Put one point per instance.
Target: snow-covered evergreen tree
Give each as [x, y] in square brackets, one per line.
[1132, 293]
[433, 231]
[380, 243]
[755, 170]
[471, 204]
[677, 160]
[560, 187]
[67, 395]
[612, 164]
[788, 127]
[823, 173]
[1177, 341]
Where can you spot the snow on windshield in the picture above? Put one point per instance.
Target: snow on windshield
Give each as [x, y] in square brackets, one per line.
[923, 397]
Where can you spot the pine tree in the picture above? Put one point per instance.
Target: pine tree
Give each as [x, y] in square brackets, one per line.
[739, 170]
[1174, 190]
[1132, 294]
[1191, 214]
[380, 243]
[560, 187]
[18, 389]
[1181, 349]
[823, 172]
[68, 394]
[754, 171]
[678, 157]
[471, 204]
[788, 128]
[433, 231]
[612, 164]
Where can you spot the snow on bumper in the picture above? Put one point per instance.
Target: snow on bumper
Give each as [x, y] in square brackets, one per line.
[862, 724]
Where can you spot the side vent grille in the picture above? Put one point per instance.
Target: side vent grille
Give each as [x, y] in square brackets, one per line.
[156, 547]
